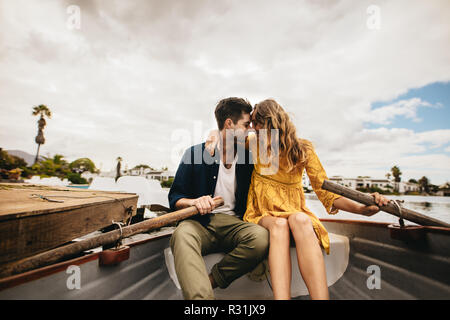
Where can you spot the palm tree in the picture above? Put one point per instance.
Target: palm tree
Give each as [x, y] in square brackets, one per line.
[424, 184]
[396, 173]
[41, 110]
[119, 160]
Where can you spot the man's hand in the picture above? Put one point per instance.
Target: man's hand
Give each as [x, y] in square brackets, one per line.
[371, 210]
[204, 204]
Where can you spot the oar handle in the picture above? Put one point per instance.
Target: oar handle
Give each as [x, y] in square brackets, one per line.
[166, 219]
[391, 208]
[58, 254]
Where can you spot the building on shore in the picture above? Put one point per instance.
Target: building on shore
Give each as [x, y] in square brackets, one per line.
[160, 175]
[444, 190]
[368, 182]
[404, 187]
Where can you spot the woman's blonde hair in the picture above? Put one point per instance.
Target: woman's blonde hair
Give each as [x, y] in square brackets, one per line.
[270, 115]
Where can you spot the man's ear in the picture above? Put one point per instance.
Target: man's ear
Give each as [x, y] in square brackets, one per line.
[228, 124]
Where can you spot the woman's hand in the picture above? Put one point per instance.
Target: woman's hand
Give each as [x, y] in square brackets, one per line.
[212, 141]
[368, 210]
[371, 210]
[358, 208]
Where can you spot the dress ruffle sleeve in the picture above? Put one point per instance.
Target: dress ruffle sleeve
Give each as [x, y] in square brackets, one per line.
[317, 175]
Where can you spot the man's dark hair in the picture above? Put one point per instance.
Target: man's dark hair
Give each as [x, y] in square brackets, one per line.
[232, 108]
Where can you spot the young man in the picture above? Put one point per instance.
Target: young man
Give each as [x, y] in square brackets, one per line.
[200, 178]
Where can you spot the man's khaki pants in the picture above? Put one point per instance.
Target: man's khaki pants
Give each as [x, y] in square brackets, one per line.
[245, 244]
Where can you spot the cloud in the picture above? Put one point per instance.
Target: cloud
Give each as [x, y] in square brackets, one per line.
[407, 108]
[378, 150]
[137, 71]
[436, 138]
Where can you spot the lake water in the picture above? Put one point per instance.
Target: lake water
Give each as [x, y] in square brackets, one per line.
[435, 207]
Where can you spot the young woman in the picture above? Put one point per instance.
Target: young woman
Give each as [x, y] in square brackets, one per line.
[276, 200]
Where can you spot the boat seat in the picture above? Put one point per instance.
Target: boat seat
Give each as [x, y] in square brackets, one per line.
[247, 289]
[148, 190]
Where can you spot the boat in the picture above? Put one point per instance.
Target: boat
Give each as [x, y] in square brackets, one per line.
[410, 266]
[367, 261]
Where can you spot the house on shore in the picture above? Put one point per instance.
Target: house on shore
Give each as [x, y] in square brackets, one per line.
[367, 182]
[160, 175]
[444, 190]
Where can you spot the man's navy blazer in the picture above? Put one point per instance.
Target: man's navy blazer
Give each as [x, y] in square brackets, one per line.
[197, 174]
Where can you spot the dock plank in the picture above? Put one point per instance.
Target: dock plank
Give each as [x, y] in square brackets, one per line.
[30, 225]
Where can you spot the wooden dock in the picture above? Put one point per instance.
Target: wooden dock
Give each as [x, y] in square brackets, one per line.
[37, 218]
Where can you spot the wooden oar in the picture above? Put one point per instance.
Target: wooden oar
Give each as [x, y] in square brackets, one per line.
[58, 254]
[391, 208]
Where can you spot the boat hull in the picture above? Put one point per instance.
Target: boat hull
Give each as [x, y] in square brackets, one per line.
[407, 269]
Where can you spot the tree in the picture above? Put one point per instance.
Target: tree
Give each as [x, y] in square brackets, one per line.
[82, 165]
[76, 178]
[412, 180]
[143, 166]
[52, 166]
[433, 188]
[9, 162]
[396, 173]
[388, 175]
[11, 166]
[119, 163]
[424, 184]
[58, 159]
[167, 183]
[41, 110]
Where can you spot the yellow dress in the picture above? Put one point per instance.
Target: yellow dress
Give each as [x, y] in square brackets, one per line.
[281, 194]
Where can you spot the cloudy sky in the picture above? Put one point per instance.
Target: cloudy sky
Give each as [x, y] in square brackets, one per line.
[366, 81]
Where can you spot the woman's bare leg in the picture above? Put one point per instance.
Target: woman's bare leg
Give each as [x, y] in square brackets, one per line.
[309, 256]
[279, 256]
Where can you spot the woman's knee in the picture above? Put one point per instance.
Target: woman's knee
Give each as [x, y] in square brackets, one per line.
[279, 228]
[300, 221]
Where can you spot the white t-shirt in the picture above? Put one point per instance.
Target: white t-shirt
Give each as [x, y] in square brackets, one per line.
[226, 188]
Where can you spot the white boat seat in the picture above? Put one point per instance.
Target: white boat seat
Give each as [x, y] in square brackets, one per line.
[244, 288]
[149, 191]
